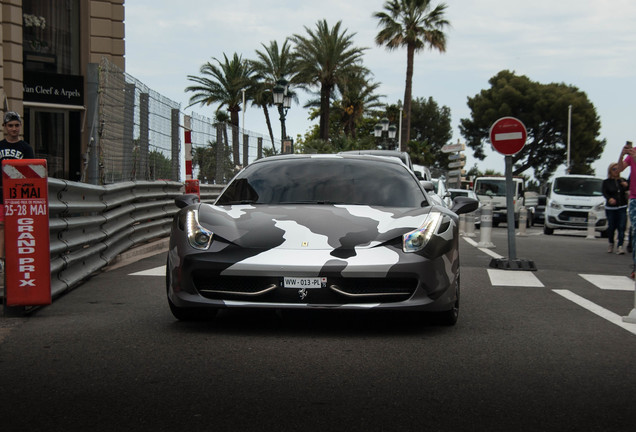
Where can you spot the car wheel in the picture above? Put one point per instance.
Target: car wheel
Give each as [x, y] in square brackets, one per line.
[449, 317]
[547, 231]
[187, 313]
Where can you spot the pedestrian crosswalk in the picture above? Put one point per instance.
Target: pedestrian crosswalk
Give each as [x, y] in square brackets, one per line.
[528, 279]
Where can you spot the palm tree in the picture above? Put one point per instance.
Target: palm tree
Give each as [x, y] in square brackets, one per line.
[272, 65]
[223, 84]
[416, 25]
[324, 56]
[358, 98]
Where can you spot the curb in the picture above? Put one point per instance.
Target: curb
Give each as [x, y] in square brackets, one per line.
[138, 253]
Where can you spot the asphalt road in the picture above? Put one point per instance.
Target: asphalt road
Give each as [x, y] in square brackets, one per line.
[109, 356]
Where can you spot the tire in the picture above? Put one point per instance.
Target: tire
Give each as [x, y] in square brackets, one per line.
[187, 313]
[547, 231]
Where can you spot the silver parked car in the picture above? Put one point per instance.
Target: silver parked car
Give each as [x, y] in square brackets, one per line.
[470, 194]
[317, 231]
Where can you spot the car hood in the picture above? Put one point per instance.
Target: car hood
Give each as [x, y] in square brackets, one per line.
[309, 227]
[573, 200]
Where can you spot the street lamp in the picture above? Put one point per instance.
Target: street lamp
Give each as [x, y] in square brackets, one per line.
[283, 98]
[385, 126]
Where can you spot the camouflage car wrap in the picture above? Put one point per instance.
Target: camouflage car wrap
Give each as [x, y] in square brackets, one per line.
[357, 249]
[317, 231]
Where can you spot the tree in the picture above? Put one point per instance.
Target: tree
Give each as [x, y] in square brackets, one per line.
[271, 65]
[358, 97]
[416, 25]
[431, 129]
[205, 158]
[543, 109]
[324, 57]
[223, 84]
[160, 167]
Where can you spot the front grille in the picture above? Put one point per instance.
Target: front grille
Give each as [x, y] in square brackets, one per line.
[339, 290]
[568, 215]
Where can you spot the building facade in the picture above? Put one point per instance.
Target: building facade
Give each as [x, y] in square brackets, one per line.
[48, 54]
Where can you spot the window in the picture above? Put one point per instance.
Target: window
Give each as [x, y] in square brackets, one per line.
[50, 32]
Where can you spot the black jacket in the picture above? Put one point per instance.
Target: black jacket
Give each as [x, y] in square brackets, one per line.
[613, 188]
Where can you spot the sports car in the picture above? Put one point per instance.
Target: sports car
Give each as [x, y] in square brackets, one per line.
[316, 231]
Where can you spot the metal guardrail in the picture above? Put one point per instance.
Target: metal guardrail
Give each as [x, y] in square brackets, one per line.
[90, 225]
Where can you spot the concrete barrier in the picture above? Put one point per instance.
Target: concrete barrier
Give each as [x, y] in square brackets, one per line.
[486, 227]
[462, 224]
[470, 225]
[591, 226]
[523, 222]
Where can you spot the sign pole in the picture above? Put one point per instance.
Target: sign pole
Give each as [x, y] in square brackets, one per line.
[512, 249]
[508, 136]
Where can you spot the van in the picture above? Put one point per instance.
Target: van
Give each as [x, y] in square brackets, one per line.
[492, 190]
[571, 199]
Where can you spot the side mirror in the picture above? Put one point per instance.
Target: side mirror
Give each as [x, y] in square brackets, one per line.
[185, 200]
[462, 204]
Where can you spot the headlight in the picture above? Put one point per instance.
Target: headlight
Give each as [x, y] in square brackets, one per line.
[416, 240]
[600, 207]
[198, 237]
[555, 206]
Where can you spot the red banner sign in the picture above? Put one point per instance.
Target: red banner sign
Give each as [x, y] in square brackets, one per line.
[26, 232]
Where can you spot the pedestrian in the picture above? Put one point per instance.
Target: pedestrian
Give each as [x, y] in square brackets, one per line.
[11, 147]
[626, 159]
[614, 190]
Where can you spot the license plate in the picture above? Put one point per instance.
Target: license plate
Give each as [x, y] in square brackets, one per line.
[304, 282]
[578, 219]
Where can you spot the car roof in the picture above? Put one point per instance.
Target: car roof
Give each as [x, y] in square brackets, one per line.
[368, 157]
[403, 156]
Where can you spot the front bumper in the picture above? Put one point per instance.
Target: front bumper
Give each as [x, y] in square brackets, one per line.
[376, 278]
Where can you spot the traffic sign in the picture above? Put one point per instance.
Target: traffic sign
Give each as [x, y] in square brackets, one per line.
[27, 249]
[457, 173]
[508, 135]
[451, 148]
[458, 156]
[457, 164]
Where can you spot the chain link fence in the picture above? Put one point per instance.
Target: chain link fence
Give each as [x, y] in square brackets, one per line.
[139, 135]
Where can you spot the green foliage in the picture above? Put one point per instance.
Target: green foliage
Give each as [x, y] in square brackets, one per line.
[324, 57]
[543, 109]
[205, 159]
[430, 131]
[223, 83]
[160, 166]
[415, 25]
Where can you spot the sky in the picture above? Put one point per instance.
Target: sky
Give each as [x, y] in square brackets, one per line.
[587, 44]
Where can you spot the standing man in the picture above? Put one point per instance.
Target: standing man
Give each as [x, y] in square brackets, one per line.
[626, 159]
[11, 147]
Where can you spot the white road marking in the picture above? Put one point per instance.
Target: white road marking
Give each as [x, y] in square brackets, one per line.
[484, 250]
[610, 282]
[596, 309]
[157, 271]
[517, 278]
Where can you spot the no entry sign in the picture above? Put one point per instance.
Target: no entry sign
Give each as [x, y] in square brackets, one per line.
[26, 232]
[508, 135]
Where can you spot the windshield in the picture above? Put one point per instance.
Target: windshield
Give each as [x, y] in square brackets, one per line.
[491, 187]
[578, 186]
[325, 181]
[457, 193]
